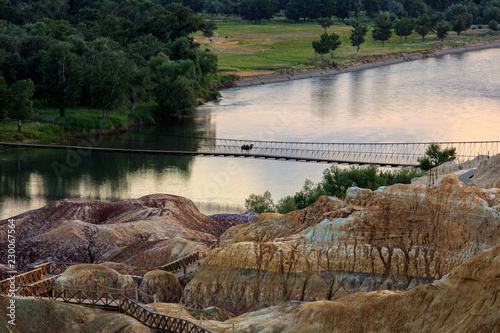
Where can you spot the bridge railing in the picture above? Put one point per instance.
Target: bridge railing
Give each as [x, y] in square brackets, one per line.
[394, 154]
[363, 153]
[122, 303]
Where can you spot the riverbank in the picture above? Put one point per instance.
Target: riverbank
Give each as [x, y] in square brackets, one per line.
[362, 63]
[49, 128]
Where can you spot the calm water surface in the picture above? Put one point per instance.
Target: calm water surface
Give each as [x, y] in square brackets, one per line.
[449, 98]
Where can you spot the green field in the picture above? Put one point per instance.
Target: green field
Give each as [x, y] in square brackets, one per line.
[277, 44]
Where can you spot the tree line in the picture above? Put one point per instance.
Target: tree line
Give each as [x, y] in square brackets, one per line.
[481, 11]
[102, 54]
[456, 18]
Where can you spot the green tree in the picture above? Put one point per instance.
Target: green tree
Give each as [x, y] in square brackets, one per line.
[327, 43]
[372, 8]
[195, 5]
[336, 181]
[62, 74]
[423, 26]
[6, 99]
[493, 25]
[257, 10]
[171, 22]
[459, 17]
[342, 9]
[461, 23]
[442, 29]
[176, 97]
[325, 22]
[383, 28]
[309, 9]
[286, 205]
[434, 156]
[260, 203]
[404, 27]
[117, 28]
[111, 80]
[308, 194]
[22, 108]
[358, 35]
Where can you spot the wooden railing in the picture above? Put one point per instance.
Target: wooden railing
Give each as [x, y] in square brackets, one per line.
[43, 287]
[190, 259]
[31, 284]
[182, 263]
[113, 300]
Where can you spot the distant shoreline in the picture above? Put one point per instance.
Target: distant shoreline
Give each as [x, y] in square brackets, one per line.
[359, 64]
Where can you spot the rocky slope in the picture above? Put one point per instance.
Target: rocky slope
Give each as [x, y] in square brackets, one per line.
[145, 232]
[465, 301]
[394, 238]
[486, 169]
[488, 173]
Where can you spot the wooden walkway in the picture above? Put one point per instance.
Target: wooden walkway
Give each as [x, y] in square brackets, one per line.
[39, 283]
[384, 154]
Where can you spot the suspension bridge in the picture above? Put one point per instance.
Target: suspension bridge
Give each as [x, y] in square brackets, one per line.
[383, 154]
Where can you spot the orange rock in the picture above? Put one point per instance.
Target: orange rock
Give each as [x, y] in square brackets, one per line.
[465, 301]
[394, 238]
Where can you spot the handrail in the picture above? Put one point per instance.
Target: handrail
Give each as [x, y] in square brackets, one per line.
[32, 284]
[393, 154]
[124, 304]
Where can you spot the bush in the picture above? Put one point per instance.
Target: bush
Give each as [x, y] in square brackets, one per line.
[308, 194]
[480, 26]
[335, 182]
[493, 25]
[286, 205]
[260, 203]
[402, 176]
[434, 156]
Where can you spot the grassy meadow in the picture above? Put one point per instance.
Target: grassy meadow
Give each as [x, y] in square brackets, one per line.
[49, 127]
[244, 48]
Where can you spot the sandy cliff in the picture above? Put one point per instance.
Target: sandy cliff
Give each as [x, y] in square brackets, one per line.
[394, 238]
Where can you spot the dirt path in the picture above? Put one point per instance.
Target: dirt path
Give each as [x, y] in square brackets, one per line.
[356, 65]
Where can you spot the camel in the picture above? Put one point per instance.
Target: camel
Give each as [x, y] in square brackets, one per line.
[247, 147]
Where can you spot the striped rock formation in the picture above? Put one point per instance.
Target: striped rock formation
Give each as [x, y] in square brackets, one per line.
[146, 232]
[394, 238]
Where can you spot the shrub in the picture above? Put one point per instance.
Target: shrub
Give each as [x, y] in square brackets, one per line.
[286, 205]
[493, 25]
[308, 194]
[335, 182]
[260, 203]
[434, 156]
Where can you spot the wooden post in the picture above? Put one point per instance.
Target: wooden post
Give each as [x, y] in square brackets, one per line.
[233, 328]
[136, 295]
[184, 268]
[154, 302]
[180, 313]
[201, 319]
[218, 242]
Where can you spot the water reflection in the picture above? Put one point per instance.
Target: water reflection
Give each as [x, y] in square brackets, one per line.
[451, 98]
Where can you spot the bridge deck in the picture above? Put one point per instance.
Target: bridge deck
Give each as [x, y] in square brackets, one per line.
[384, 154]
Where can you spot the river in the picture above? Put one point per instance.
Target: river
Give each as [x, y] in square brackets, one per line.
[448, 98]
